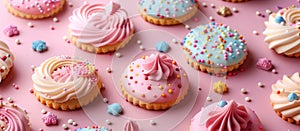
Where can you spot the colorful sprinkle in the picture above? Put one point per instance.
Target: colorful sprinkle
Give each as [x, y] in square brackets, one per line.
[11, 31]
[39, 46]
[222, 103]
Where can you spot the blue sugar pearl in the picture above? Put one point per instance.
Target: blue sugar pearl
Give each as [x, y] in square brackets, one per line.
[292, 96]
[162, 46]
[279, 19]
[115, 109]
[222, 103]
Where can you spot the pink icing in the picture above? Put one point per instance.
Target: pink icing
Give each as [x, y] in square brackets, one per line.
[100, 25]
[11, 31]
[131, 126]
[63, 74]
[232, 117]
[12, 118]
[147, 90]
[35, 7]
[264, 64]
[49, 119]
[158, 67]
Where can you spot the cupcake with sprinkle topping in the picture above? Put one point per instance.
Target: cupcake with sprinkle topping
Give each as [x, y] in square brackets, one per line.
[215, 48]
[154, 82]
[167, 12]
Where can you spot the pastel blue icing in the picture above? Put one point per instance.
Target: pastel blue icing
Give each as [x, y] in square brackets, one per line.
[222, 103]
[175, 7]
[204, 46]
[292, 96]
[92, 129]
[114, 109]
[39, 45]
[162, 46]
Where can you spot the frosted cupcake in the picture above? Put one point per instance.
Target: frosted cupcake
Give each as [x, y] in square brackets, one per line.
[226, 116]
[100, 28]
[167, 12]
[66, 83]
[34, 9]
[215, 48]
[154, 82]
[13, 118]
[285, 98]
[6, 61]
[282, 32]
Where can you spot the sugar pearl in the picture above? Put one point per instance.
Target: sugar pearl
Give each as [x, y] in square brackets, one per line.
[10, 100]
[174, 41]
[248, 99]
[211, 18]
[33, 67]
[29, 24]
[55, 19]
[152, 122]
[70, 121]
[74, 123]
[108, 122]
[108, 69]
[244, 91]
[274, 71]
[43, 111]
[208, 99]
[255, 32]
[260, 84]
[187, 27]
[17, 41]
[235, 10]
[139, 42]
[118, 54]
[65, 38]
[70, 4]
[258, 13]
[65, 126]
[212, 6]
[105, 100]
[142, 47]
[268, 11]
[204, 4]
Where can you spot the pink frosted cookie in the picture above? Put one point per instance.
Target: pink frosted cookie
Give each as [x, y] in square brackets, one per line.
[226, 116]
[34, 9]
[154, 82]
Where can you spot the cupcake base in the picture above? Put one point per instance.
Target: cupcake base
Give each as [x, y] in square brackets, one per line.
[288, 119]
[169, 21]
[17, 13]
[151, 106]
[208, 69]
[71, 104]
[102, 49]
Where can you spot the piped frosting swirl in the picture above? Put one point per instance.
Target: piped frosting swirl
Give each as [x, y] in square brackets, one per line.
[282, 31]
[6, 60]
[100, 25]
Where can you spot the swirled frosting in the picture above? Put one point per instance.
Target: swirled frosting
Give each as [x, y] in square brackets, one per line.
[282, 96]
[231, 117]
[63, 78]
[13, 118]
[137, 79]
[131, 126]
[100, 25]
[158, 67]
[282, 31]
[6, 60]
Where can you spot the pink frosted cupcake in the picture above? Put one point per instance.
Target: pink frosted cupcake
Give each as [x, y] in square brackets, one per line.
[34, 9]
[225, 116]
[100, 28]
[154, 82]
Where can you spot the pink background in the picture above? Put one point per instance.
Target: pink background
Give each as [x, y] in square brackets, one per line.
[245, 22]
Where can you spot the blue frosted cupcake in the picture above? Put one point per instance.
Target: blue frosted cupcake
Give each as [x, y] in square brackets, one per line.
[215, 48]
[167, 12]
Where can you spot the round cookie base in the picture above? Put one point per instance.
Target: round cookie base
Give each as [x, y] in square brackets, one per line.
[151, 106]
[288, 119]
[71, 104]
[236, 1]
[103, 49]
[208, 69]
[17, 13]
[169, 21]
[296, 55]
